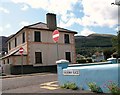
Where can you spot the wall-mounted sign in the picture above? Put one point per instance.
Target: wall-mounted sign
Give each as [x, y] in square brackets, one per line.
[74, 72]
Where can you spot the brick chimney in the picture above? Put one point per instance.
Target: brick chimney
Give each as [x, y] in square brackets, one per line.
[51, 21]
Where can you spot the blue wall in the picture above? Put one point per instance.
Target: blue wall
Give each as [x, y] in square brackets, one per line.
[101, 74]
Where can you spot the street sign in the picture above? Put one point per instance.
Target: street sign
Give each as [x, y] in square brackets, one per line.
[55, 36]
[21, 50]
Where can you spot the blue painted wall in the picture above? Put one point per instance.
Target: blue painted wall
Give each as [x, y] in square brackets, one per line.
[101, 74]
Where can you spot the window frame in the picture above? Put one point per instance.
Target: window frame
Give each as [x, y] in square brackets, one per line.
[68, 57]
[9, 45]
[66, 38]
[8, 61]
[37, 37]
[23, 37]
[38, 59]
[15, 42]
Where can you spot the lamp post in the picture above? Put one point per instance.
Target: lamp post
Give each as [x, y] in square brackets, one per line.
[117, 2]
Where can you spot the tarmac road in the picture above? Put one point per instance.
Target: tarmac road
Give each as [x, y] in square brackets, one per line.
[37, 83]
[26, 80]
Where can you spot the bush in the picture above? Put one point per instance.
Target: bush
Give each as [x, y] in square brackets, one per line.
[94, 87]
[89, 60]
[113, 88]
[81, 61]
[70, 86]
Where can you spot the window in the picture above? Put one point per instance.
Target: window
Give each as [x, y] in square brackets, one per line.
[3, 61]
[23, 37]
[66, 38]
[8, 60]
[37, 36]
[15, 42]
[38, 57]
[68, 56]
[9, 46]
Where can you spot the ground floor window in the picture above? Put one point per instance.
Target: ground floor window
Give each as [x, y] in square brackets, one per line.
[68, 56]
[38, 57]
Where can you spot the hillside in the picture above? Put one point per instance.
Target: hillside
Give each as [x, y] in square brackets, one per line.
[3, 44]
[94, 40]
[84, 44]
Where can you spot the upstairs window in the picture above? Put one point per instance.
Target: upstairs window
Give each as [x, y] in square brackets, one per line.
[9, 46]
[38, 57]
[8, 60]
[37, 36]
[23, 37]
[15, 42]
[66, 39]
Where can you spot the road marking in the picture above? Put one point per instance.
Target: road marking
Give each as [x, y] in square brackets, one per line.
[27, 75]
[50, 85]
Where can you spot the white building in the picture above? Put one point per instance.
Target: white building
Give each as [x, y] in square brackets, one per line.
[39, 47]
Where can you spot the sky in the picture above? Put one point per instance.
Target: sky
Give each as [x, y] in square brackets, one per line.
[83, 16]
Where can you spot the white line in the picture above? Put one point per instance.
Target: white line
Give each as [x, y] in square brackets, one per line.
[56, 35]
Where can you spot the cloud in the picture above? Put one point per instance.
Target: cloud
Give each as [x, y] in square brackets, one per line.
[99, 13]
[85, 32]
[55, 6]
[24, 7]
[8, 26]
[4, 10]
[3, 29]
[96, 12]
[24, 23]
[58, 7]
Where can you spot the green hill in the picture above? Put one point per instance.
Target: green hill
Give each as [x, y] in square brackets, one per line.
[89, 44]
[94, 40]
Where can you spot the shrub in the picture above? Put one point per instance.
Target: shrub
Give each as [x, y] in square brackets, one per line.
[81, 61]
[89, 60]
[94, 87]
[113, 88]
[73, 86]
[70, 86]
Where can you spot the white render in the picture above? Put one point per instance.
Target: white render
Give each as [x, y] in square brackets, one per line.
[47, 46]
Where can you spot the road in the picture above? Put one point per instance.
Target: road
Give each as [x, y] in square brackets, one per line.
[25, 81]
[39, 83]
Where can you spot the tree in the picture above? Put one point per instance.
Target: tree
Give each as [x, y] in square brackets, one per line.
[118, 43]
[114, 42]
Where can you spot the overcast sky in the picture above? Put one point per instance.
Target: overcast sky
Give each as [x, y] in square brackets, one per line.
[82, 16]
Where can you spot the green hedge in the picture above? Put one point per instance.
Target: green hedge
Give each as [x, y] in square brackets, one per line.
[88, 60]
[81, 60]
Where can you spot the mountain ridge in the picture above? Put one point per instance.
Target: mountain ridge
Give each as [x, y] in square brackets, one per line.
[94, 40]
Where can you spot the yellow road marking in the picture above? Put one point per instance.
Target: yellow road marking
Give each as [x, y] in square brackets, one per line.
[50, 85]
[50, 88]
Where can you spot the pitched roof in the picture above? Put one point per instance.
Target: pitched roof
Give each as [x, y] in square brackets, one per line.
[42, 26]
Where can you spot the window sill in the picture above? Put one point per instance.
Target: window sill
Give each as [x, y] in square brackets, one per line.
[40, 64]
